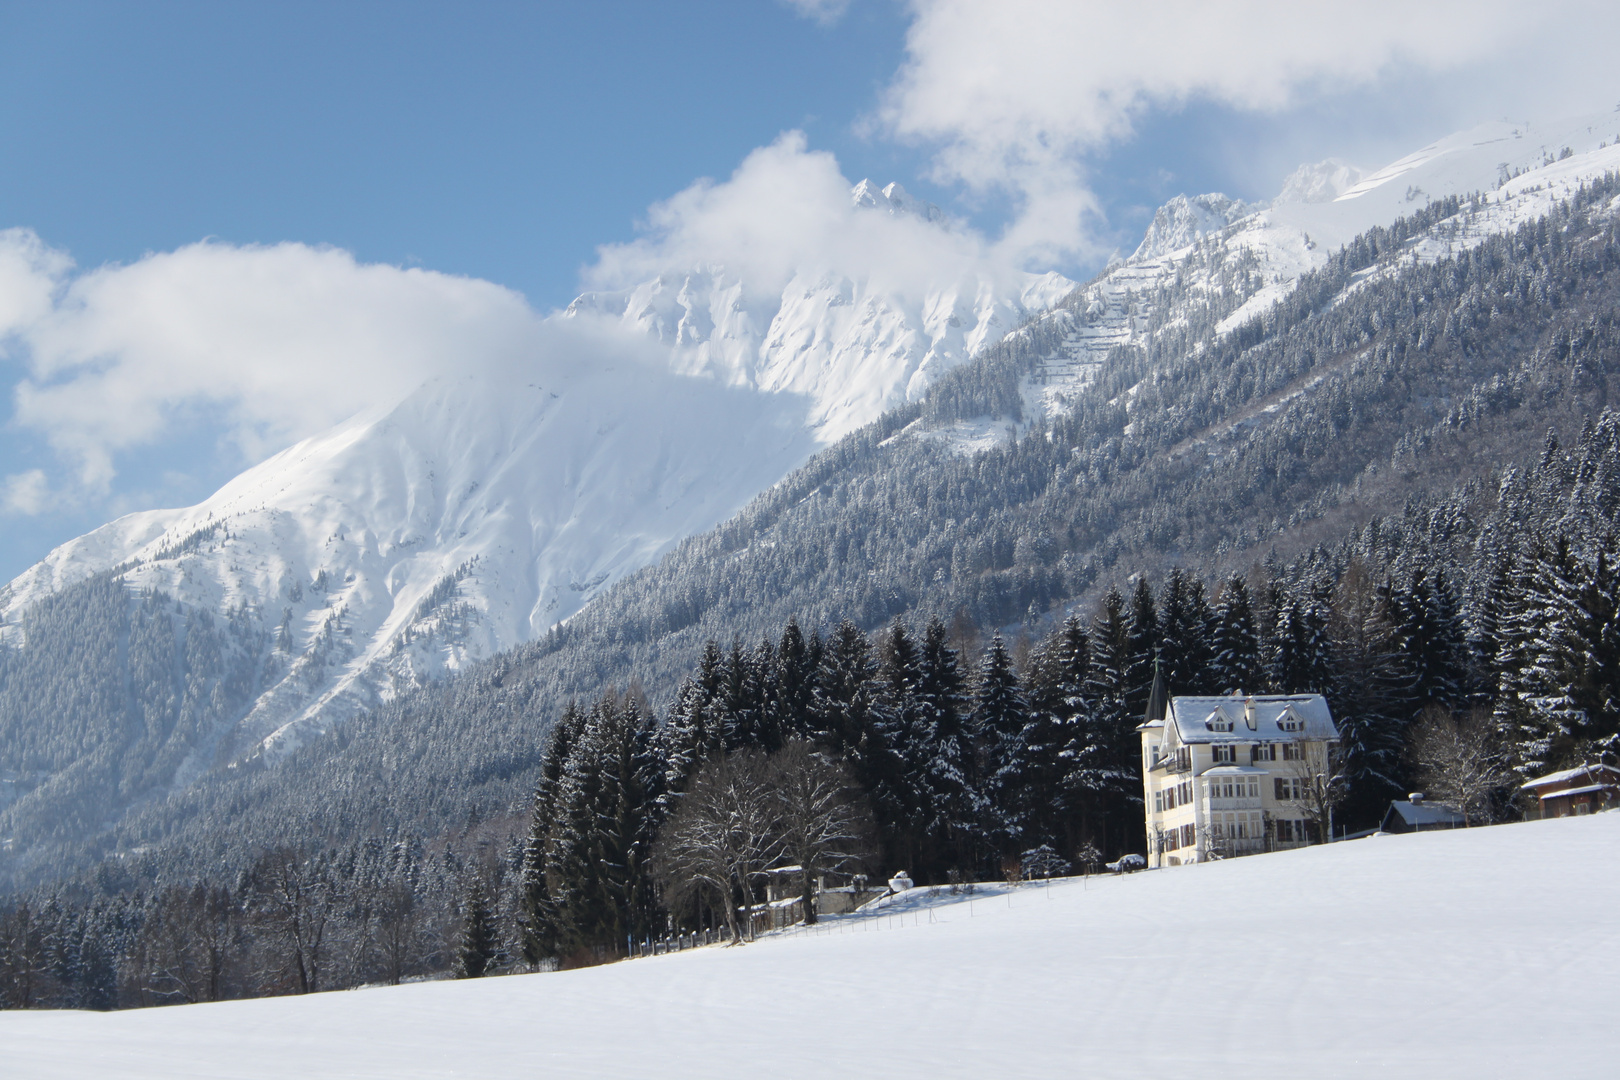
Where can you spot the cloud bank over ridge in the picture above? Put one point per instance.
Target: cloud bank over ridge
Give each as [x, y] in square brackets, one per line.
[1018, 96]
[277, 342]
[1011, 99]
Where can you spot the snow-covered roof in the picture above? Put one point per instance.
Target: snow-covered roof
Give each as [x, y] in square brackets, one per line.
[1426, 813]
[1260, 718]
[1569, 774]
[1235, 770]
[1589, 789]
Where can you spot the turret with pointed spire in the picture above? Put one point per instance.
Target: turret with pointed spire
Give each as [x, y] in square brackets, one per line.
[1156, 697]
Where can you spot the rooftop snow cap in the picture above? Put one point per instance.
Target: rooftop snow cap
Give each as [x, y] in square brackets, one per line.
[1274, 716]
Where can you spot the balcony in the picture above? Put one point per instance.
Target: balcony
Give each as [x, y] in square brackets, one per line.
[1245, 803]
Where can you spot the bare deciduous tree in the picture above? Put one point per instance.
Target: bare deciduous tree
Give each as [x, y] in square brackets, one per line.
[721, 834]
[291, 909]
[822, 822]
[24, 958]
[189, 945]
[1460, 759]
[397, 939]
[1317, 785]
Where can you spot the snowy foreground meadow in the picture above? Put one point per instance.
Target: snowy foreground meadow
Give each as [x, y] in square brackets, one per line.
[1485, 953]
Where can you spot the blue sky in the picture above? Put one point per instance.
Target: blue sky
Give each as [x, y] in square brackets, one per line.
[506, 142]
[498, 140]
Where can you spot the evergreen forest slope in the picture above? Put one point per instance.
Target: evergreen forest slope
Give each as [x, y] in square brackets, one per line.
[1392, 412]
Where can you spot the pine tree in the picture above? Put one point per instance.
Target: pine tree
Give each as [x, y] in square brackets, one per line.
[1367, 697]
[1000, 716]
[795, 682]
[1103, 776]
[1486, 628]
[1144, 646]
[696, 728]
[1299, 653]
[1184, 618]
[899, 793]
[1239, 664]
[475, 944]
[1060, 734]
[595, 866]
[541, 931]
[951, 799]
[1430, 641]
[685, 740]
[846, 693]
[1572, 681]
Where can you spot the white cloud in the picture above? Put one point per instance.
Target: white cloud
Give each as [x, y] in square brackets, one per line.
[1015, 95]
[787, 210]
[25, 493]
[30, 275]
[277, 342]
[825, 12]
[1011, 96]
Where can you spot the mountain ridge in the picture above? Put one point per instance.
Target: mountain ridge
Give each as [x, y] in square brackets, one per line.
[1184, 317]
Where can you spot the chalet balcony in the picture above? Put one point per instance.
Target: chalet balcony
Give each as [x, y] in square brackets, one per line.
[1174, 763]
[1245, 803]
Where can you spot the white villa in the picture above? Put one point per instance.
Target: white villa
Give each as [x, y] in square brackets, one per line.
[1237, 775]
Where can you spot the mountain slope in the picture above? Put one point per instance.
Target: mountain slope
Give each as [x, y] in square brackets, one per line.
[1388, 374]
[1215, 257]
[1398, 418]
[853, 344]
[1390, 956]
[484, 509]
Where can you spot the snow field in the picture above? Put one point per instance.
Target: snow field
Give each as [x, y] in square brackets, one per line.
[1480, 953]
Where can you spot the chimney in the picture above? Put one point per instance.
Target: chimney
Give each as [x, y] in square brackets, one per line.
[1416, 797]
[1248, 714]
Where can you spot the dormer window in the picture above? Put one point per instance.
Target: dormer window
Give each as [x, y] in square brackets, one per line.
[1218, 721]
[1290, 720]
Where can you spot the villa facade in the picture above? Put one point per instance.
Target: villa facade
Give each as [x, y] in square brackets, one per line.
[1236, 775]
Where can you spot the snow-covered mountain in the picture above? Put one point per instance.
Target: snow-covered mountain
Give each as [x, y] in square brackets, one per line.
[483, 509]
[1218, 248]
[852, 346]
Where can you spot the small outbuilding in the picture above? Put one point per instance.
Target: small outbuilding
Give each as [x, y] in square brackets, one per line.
[1417, 814]
[1574, 792]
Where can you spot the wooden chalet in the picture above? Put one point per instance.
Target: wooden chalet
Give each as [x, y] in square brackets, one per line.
[1574, 792]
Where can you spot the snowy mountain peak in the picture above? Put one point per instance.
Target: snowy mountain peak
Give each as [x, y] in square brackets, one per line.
[1322, 182]
[1224, 253]
[1182, 221]
[894, 200]
[483, 510]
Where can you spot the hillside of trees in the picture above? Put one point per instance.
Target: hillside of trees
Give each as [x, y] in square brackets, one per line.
[1372, 460]
[930, 751]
